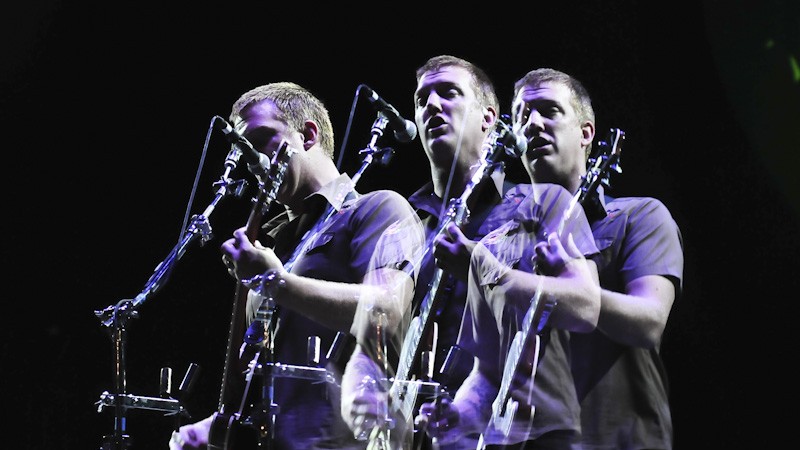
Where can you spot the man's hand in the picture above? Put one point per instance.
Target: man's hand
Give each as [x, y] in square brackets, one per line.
[364, 397]
[552, 257]
[191, 436]
[453, 250]
[440, 419]
[245, 259]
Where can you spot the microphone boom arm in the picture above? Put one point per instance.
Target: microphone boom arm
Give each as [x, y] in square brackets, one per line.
[116, 316]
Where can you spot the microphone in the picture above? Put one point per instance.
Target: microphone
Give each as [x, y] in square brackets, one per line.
[404, 130]
[518, 145]
[512, 139]
[257, 163]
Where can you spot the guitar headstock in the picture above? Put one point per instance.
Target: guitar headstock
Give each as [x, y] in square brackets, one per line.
[268, 188]
[278, 169]
[607, 155]
[605, 158]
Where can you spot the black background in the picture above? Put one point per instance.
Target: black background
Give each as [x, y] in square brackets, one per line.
[105, 112]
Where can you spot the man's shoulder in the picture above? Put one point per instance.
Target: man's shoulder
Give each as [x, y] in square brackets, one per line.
[548, 194]
[640, 213]
[636, 205]
[545, 189]
[383, 195]
[385, 200]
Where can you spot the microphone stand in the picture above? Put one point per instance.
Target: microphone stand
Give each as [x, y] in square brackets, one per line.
[377, 130]
[117, 316]
[378, 127]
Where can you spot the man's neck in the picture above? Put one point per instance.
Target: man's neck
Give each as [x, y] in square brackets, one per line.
[316, 175]
[569, 182]
[573, 184]
[445, 185]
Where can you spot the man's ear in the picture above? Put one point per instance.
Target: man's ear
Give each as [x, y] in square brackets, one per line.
[587, 134]
[489, 117]
[310, 134]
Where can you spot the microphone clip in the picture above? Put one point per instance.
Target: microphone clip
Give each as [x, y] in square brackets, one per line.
[404, 130]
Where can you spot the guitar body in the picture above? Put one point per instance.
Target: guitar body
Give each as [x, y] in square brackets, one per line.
[221, 426]
[230, 434]
[505, 409]
[227, 421]
[242, 428]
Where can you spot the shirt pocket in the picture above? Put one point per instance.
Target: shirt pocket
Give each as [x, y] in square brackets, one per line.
[491, 273]
[322, 242]
[605, 255]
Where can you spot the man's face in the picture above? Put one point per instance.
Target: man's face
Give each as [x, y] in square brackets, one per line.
[262, 124]
[447, 113]
[556, 139]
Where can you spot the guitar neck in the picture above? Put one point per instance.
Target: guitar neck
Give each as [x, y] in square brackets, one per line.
[411, 348]
[538, 312]
[229, 397]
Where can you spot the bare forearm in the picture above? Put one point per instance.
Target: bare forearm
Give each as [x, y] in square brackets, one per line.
[639, 316]
[578, 298]
[474, 402]
[334, 304]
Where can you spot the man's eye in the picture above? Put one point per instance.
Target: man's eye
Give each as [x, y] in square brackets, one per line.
[551, 112]
[521, 114]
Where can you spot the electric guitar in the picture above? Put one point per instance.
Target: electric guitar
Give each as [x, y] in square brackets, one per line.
[231, 424]
[405, 387]
[528, 339]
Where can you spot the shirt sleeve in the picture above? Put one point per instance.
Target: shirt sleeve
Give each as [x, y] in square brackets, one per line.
[389, 234]
[653, 243]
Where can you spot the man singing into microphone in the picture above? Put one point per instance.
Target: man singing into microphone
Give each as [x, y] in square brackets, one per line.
[515, 262]
[331, 249]
[619, 375]
[455, 110]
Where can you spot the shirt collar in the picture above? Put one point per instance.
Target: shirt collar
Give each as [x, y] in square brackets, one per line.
[425, 199]
[338, 192]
